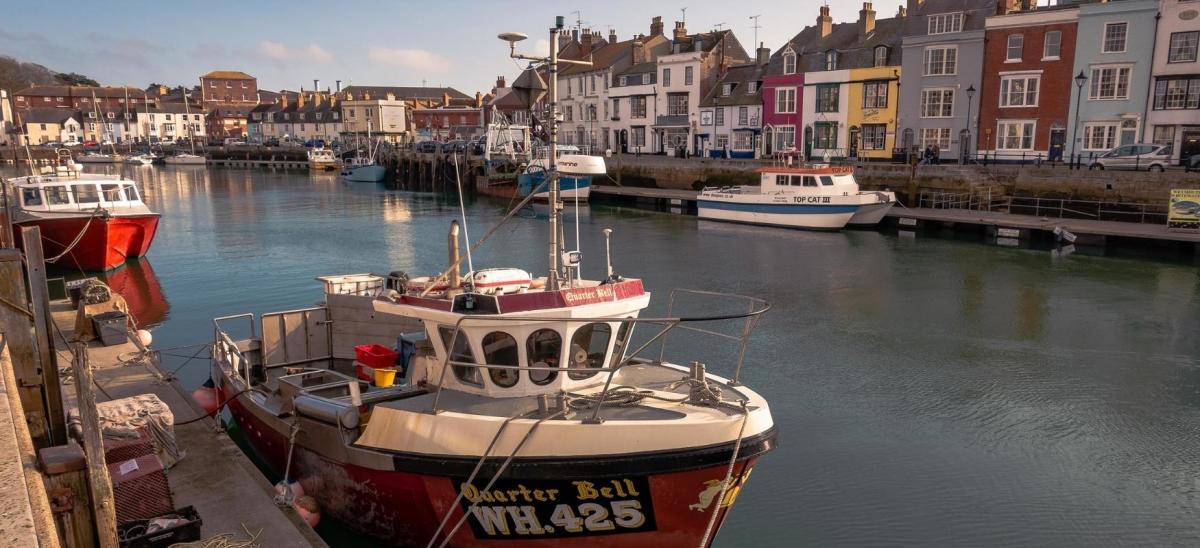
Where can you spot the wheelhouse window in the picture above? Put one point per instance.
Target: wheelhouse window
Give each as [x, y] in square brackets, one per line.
[460, 353]
[112, 193]
[542, 349]
[589, 346]
[57, 195]
[31, 197]
[500, 348]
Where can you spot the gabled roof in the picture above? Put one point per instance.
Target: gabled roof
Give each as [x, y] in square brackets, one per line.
[404, 92]
[854, 50]
[739, 77]
[640, 68]
[46, 115]
[229, 75]
[81, 91]
[974, 13]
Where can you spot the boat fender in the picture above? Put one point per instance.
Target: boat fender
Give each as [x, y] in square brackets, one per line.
[206, 398]
[327, 411]
[145, 337]
[308, 509]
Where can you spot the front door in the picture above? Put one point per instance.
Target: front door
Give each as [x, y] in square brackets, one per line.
[854, 132]
[1190, 145]
[1058, 137]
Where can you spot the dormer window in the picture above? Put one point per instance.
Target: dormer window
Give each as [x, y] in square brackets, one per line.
[881, 56]
[831, 60]
[623, 80]
[726, 89]
[752, 88]
[789, 62]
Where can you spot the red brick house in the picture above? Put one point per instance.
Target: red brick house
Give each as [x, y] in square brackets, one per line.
[229, 87]
[1026, 90]
[77, 97]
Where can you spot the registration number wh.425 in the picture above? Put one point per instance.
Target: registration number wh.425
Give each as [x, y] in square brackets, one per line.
[558, 509]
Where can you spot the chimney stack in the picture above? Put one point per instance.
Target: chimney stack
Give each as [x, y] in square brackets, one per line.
[575, 34]
[339, 85]
[866, 19]
[914, 6]
[585, 42]
[500, 83]
[764, 54]
[445, 99]
[656, 26]
[680, 31]
[478, 100]
[612, 36]
[300, 99]
[639, 52]
[283, 99]
[825, 22]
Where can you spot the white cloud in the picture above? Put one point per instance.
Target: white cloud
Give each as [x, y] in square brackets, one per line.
[282, 52]
[415, 59]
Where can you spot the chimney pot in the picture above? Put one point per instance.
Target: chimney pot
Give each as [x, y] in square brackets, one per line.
[656, 26]
[866, 19]
[680, 31]
[612, 36]
[825, 22]
[500, 82]
[764, 54]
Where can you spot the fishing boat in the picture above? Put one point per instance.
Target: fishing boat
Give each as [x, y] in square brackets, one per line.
[813, 196]
[364, 169]
[91, 221]
[526, 414]
[533, 180]
[506, 156]
[323, 159]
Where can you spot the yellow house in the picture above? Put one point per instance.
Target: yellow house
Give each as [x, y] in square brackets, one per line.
[873, 97]
[42, 125]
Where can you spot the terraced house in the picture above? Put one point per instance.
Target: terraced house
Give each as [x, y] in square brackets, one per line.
[731, 113]
[685, 76]
[943, 55]
[1173, 117]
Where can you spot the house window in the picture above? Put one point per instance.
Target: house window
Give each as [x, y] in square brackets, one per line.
[944, 23]
[722, 142]
[646, 78]
[592, 82]
[937, 103]
[941, 60]
[1052, 47]
[785, 100]
[827, 98]
[881, 56]
[1164, 135]
[874, 136]
[1019, 91]
[875, 94]
[789, 62]
[616, 107]
[719, 116]
[935, 136]
[637, 107]
[623, 80]
[318, 115]
[1182, 48]
[637, 136]
[1110, 83]
[1177, 93]
[743, 140]
[568, 113]
[1099, 136]
[831, 60]
[785, 137]
[666, 79]
[1114, 37]
[826, 135]
[677, 104]
[1014, 135]
[1016, 44]
[743, 116]
[726, 89]
[687, 76]
[751, 88]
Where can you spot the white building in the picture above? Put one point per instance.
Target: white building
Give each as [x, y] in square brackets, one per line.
[634, 108]
[170, 122]
[6, 117]
[685, 76]
[1173, 112]
[826, 105]
[731, 113]
[386, 117]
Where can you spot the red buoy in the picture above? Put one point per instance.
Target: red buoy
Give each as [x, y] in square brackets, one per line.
[207, 399]
[308, 509]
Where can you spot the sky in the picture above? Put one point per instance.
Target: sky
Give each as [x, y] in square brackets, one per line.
[367, 42]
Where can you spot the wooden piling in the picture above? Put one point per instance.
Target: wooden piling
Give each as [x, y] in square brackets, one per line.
[16, 322]
[103, 503]
[43, 328]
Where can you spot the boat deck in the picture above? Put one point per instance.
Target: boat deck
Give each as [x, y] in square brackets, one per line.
[227, 490]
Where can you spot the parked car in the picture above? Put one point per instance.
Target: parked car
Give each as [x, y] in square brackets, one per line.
[53, 144]
[1139, 156]
[454, 146]
[91, 143]
[427, 146]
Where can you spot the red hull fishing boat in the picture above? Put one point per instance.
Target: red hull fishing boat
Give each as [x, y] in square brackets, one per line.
[90, 221]
[527, 412]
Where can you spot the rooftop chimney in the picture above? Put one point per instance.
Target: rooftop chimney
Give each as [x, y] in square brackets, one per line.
[902, 12]
[913, 6]
[825, 22]
[478, 99]
[500, 83]
[656, 26]
[339, 85]
[445, 99]
[300, 99]
[283, 99]
[764, 54]
[575, 34]
[612, 36]
[585, 42]
[680, 31]
[639, 52]
[866, 19]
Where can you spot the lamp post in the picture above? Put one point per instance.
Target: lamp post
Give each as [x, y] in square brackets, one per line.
[1080, 79]
[552, 62]
[967, 130]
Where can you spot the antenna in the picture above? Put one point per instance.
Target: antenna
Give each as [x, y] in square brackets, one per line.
[683, 11]
[719, 26]
[755, 26]
[578, 18]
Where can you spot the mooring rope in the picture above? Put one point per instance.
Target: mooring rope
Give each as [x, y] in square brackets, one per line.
[720, 499]
[78, 237]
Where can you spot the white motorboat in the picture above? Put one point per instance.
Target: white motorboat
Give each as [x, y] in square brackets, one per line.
[185, 159]
[141, 159]
[814, 197]
[99, 158]
[323, 159]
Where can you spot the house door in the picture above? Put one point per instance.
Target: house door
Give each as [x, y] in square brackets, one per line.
[964, 146]
[854, 132]
[1058, 137]
[768, 142]
[1190, 146]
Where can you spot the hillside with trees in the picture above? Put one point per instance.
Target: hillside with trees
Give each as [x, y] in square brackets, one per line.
[15, 75]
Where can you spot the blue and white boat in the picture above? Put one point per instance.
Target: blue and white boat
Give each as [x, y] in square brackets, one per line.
[533, 180]
[364, 169]
[814, 197]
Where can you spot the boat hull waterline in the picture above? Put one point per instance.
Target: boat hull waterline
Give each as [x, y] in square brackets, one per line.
[538, 506]
[106, 243]
[371, 173]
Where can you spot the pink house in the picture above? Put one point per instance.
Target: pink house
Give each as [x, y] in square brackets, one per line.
[783, 91]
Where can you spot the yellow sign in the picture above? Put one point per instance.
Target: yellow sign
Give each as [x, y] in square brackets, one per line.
[1184, 210]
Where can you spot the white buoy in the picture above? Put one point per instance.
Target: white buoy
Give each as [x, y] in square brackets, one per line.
[145, 337]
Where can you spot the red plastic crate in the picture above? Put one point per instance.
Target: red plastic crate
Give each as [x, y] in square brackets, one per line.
[140, 488]
[375, 355]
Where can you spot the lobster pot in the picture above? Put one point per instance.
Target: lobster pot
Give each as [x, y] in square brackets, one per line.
[140, 489]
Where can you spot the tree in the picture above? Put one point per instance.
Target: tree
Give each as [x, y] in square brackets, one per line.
[15, 75]
[73, 79]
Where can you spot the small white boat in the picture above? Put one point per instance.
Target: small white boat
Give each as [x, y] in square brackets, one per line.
[141, 159]
[323, 159]
[99, 158]
[814, 197]
[185, 159]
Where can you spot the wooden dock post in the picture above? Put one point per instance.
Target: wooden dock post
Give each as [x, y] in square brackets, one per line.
[16, 322]
[103, 503]
[43, 327]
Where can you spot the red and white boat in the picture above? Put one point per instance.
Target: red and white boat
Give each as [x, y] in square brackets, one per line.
[91, 221]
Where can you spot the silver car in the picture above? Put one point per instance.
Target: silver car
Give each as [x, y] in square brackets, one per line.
[1139, 156]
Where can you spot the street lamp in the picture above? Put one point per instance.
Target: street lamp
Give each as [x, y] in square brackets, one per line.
[1080, 79]
[967, 130]
[552, 62]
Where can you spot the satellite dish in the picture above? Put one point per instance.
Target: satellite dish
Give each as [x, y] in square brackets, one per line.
[513, 37]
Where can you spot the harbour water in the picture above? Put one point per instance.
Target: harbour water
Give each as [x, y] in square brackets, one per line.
[928, 392]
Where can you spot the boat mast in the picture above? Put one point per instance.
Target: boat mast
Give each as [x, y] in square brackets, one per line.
[187, 113]
[552, 281]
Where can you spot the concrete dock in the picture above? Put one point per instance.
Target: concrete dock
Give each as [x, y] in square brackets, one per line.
[227, 490]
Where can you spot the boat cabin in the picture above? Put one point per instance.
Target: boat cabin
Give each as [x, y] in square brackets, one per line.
[817, 179]
[53, 193]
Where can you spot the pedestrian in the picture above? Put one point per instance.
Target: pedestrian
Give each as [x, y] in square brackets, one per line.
[926, 156]
[937, 154]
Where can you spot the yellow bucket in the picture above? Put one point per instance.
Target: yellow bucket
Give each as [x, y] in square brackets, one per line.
[385, 377]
